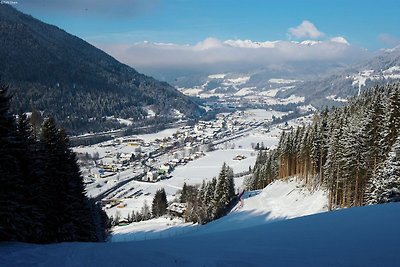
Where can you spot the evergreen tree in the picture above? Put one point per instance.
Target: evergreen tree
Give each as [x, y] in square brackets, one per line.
[183, 198]
[222, 193]
[385, 185]
[208, 200]
[12, 219]
[160, 204]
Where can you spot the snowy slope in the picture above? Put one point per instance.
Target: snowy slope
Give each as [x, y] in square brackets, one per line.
[279, 200]
[366, 236]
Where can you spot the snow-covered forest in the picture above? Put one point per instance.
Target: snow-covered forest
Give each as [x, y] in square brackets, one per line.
[353, 151]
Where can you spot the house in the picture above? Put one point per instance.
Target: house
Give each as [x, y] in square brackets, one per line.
[164, 168]
[239, 157]
[150, 177]
[177, 209]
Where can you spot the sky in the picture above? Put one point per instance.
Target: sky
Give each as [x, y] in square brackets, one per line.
[181, 30]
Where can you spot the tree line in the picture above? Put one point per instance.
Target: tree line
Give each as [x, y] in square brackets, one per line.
[42, 195]
[345, 149]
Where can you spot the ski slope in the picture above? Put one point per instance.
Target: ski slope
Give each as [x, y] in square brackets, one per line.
[366, 236]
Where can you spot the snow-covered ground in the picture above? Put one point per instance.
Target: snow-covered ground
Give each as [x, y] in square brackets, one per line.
[278, 201]
[135, 193]
[365, 236]
[231, 88]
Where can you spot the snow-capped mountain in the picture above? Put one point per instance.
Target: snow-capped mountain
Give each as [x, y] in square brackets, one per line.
[316, 83]
[382, 68]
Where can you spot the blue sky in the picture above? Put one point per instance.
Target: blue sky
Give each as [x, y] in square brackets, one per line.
[160, 36]
[368, 24]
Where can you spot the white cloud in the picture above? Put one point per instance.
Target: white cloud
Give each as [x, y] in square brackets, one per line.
[305, 30]
[208, 43]
[230, 55]
[340, 40]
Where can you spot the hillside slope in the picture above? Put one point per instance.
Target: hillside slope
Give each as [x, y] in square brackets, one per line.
[365, 236]
[278, 201]
[64, 76]
[380, 69]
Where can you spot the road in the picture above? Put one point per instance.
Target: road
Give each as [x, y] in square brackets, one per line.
[117, 186]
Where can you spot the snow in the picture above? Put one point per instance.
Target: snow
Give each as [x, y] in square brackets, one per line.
[338, 99]
[159, 135]
[391, 70]
[362, 77]
[364, 236]
[288, 100]
[310, 42]
[209, 166]
[392, 73]
[278, 201]
[306, 108]
[270, 93]
[251, 44]
[124, 121]
[236, 81]
[152, 229]
[282, 81]
[150, 113]
[245, 91]
[192, 91]
[217, 76]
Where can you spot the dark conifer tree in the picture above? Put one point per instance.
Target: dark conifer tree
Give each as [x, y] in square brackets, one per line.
[160, 204]
[12, 216]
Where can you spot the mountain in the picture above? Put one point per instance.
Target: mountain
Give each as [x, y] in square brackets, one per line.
[319, 84]
[80, 85]
[382, 68]
[263, 86]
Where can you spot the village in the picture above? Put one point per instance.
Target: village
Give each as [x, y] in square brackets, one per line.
[124, 173]
[157, 158]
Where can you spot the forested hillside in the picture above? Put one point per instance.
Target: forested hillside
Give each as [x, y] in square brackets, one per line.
[354, 151]
[78, 84]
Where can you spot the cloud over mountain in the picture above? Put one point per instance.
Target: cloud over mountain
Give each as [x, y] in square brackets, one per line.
[230, 55]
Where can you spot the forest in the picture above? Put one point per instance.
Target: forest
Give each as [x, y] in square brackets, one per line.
[353, 151]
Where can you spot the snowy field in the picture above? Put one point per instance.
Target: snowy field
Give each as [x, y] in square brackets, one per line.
[364, 236]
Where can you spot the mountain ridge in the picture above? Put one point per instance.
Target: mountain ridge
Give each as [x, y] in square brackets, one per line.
[77, 83]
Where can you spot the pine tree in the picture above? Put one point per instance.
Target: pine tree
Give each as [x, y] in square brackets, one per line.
[184, 193]
[385, 185]
[160, 204]
[222, 193]
[208, 200]
[12, 219]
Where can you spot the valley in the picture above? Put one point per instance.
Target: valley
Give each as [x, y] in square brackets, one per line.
[127, 171]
